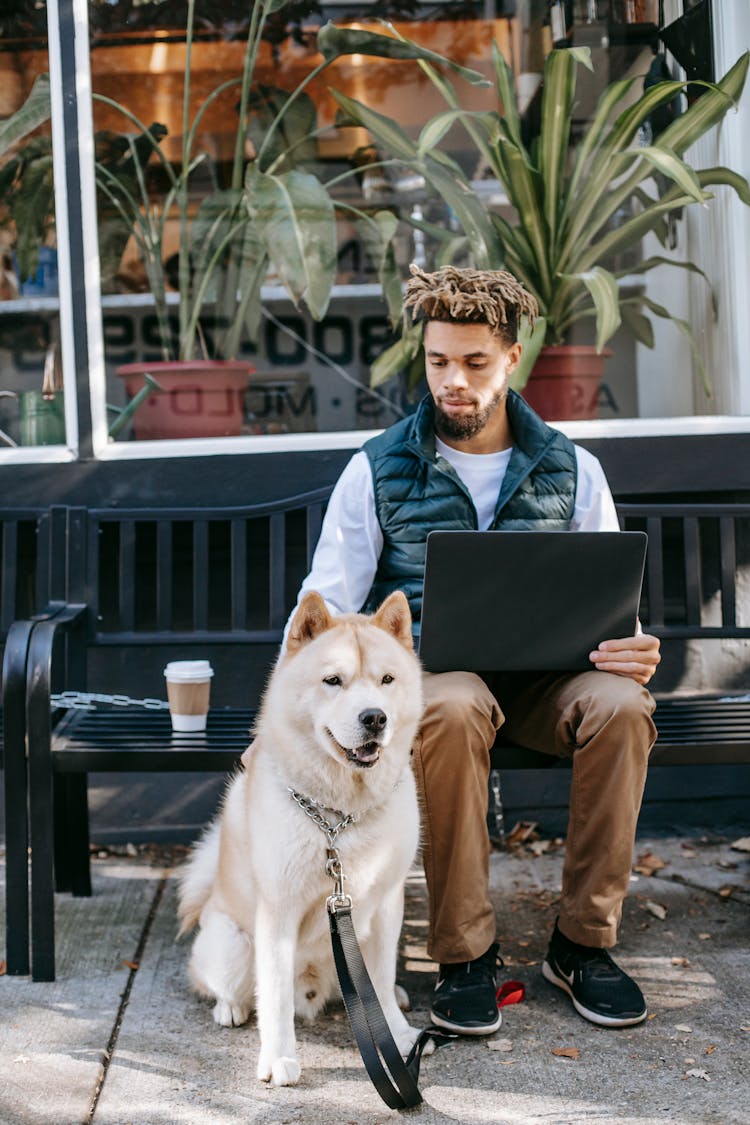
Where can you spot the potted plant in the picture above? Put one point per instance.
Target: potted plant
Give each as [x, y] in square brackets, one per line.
[27, 206]
[274, 213]
[563, 238]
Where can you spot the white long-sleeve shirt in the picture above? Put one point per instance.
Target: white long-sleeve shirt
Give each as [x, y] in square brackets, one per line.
[346, 558]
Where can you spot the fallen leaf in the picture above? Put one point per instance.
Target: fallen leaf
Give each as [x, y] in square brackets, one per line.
[566, 1052]
[744, 1028]
[3, 968]
[521, 831]
[652, 1016]
[727, 890]
[131, 965]
[682, 1027]
[710, 1050]
[697, 1072]
[741, 845]
[704, 937]
[656, 909]
[500, 1045]
[682, 961]
[647, 863]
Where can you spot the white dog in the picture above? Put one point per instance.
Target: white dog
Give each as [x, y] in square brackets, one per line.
[336, 727]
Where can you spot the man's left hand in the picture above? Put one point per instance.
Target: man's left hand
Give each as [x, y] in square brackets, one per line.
[636, 657]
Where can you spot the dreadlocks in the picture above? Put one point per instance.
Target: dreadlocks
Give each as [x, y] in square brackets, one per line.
[491, 297]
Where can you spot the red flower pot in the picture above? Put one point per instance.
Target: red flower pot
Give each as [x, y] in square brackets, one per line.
[564, 382]
[199, 398]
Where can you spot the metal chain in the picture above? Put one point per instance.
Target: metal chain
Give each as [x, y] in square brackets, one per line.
[85, 701]
[311, 808]
[339, 899]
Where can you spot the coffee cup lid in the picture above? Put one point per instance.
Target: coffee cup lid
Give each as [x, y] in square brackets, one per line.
[188, 671]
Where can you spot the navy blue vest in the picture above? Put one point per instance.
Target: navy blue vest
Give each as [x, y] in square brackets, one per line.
[418, 491]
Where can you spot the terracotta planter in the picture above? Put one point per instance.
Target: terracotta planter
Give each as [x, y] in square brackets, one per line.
[564, 382]
[201, 398]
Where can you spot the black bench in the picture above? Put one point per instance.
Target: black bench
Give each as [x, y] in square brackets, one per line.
[224, 580]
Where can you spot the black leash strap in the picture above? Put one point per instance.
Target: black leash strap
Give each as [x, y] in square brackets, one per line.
[399, 1088]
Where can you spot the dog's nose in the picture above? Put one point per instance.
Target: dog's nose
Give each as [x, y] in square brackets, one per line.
[373, 719]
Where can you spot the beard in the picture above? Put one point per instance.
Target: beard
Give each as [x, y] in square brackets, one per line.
[468, 425]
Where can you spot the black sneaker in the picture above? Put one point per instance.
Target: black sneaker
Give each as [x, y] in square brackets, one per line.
[601, 992]
[465, 996]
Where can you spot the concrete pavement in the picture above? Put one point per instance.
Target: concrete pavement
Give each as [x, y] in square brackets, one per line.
[119, 1039]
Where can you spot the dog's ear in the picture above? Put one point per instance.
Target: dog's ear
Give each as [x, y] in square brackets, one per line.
[311, 619]
[394, 616]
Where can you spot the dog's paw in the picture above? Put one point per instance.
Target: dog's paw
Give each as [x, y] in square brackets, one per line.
[279, 1072]
[230, 1015]
[407, 1036]
[402, 998]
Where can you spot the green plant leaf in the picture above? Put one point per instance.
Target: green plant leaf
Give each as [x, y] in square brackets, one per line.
[506, 92]
[435, 129]
[707, 110]
[687, 332]
[449, 250]
[656, 260]
[595, 131]
[532, 342]
[602, 285]
[524, 188]
[384, 129]
[638, 324]
[398, 356]
[629, 233]
[292, 142]
[297, 221]
[336, 41]
[557, 102]
[708, 177]
[377, 232]
[29, 116]
[474, 220]
[670, 165]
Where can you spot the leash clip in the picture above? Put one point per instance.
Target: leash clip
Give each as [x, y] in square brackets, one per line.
[339, 900]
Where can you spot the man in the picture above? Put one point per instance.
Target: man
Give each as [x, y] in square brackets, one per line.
[476, 456]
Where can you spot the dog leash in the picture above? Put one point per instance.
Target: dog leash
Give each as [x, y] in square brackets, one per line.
[396, 1081]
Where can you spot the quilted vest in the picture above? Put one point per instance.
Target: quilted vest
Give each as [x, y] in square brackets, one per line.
[418, 491]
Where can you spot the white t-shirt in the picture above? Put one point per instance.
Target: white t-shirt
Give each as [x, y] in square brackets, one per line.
[346, 558]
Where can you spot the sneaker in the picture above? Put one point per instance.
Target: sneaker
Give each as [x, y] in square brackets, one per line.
[465, 996]
[600, 991]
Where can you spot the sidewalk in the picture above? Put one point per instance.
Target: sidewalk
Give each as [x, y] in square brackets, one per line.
[119, 1039]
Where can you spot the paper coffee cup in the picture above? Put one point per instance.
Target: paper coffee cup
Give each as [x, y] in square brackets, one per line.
[188, 691]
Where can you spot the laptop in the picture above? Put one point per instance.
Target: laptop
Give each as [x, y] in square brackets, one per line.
[527, 600]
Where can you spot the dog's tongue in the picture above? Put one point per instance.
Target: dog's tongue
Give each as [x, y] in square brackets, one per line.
[367, 753]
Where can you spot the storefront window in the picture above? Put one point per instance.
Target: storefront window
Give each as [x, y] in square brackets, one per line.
[215, 199]
[31, 389]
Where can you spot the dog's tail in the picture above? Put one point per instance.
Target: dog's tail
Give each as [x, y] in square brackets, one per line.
[197, 878]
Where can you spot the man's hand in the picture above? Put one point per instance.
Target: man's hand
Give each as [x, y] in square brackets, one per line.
[636, 657]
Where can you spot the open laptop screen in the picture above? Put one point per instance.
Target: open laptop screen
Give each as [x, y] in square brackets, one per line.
[527, 600]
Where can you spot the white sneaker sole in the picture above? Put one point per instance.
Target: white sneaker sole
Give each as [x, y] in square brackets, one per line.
[461, 1029]
[588, 1014]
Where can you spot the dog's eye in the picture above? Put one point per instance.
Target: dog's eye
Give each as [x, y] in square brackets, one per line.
[387, 678]
[332, 681]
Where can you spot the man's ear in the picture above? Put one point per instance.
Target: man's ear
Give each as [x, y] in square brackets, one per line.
[311, 619]
[394, 616]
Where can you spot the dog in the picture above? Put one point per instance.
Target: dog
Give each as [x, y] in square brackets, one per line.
[336, 727]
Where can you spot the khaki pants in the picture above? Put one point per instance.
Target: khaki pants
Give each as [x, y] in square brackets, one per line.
[601, 721]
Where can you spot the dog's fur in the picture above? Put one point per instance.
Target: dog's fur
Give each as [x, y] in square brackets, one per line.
[257, 883]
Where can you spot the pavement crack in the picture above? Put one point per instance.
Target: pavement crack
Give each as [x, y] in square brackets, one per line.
[109, 1050]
